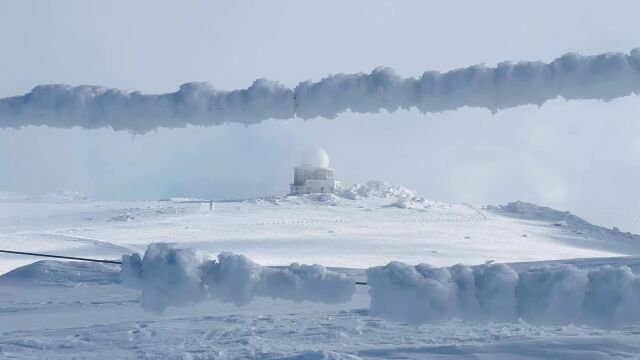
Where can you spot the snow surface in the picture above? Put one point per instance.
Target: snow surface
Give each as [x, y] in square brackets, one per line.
[385, 223]
[65, 195]
[10, 195]
[67, 311]
[51, 309]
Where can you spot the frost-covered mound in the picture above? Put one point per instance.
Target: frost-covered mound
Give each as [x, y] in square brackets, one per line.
[399, 196]
[61, 273]
[183, 199]
[10, 195]
[170, 276]
[126, 217]
[535, 212]
[65, 195]
[558, 218]
[560, 294]
[320, 355]
[376, 188]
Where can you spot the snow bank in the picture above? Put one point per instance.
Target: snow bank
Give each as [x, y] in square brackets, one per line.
[558, 218]
[571, 76]
[535, 212]
[170, 276]
[560, 294]
[61, 273]
[403, 203]
[318, 355]
[126, 217]
[10, 195]
[65, 195]
[376, 188]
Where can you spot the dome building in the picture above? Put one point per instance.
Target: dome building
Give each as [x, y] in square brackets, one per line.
[314, 174]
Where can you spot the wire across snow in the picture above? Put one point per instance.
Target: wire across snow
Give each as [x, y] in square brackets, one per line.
[171, 276]
[571, 76]
[560, 294]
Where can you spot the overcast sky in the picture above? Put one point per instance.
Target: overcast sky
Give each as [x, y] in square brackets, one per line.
[582, 156]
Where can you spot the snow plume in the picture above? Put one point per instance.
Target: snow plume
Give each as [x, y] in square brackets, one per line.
[563, 294]
[572, 76]
[170, 276]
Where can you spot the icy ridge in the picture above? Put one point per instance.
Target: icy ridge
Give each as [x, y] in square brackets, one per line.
[377, 188]
[559, 218]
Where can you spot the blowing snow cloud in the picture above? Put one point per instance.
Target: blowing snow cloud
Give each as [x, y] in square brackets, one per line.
[571, 76]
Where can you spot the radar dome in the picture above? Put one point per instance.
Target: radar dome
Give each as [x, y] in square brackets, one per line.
[315, 157]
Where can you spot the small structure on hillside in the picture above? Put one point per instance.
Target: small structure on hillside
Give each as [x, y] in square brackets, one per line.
[314, 174]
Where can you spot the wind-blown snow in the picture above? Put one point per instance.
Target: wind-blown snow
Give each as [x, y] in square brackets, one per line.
[170, 276]
[377, 188]
[571, 76]
[561, 294]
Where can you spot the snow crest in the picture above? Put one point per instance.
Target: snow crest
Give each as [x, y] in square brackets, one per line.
[377, 188]
[561, 294]
[171, 276]
[66, 195]
[559, 218]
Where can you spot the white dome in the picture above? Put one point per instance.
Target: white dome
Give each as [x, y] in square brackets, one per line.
[315, 157]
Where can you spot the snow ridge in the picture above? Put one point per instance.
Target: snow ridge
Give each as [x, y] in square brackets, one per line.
[376, 188]
[559, 218]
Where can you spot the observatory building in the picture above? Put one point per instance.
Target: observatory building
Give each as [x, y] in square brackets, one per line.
[314, 174]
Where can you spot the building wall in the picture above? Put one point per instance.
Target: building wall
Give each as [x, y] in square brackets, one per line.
[311, 180]
[302, 174]
[316, 186]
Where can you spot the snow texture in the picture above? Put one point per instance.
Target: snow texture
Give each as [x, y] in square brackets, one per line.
[60, 274]
[320, 355]
[10, 195]
[558, 218]
[561, 294]
[65, 195]
[571, 76]
[171, 276]
[377, 189]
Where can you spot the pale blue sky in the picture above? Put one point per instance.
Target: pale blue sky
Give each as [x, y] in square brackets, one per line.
[579, 156]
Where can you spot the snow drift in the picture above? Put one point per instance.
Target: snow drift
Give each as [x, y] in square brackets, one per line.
[170, 276]
[566, 219]
[378, 189]
[560, 294]
[66, 195]
[10, 195]
[61, 274]
[571, 76]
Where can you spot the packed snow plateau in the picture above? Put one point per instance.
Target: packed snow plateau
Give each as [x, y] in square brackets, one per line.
[365, 226]
[233, 307]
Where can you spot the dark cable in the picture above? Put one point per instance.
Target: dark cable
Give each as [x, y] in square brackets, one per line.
[61, 257]
[87, 259]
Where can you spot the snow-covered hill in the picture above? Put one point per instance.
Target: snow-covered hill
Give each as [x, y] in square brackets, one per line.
[63, 309]
[364, 226]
